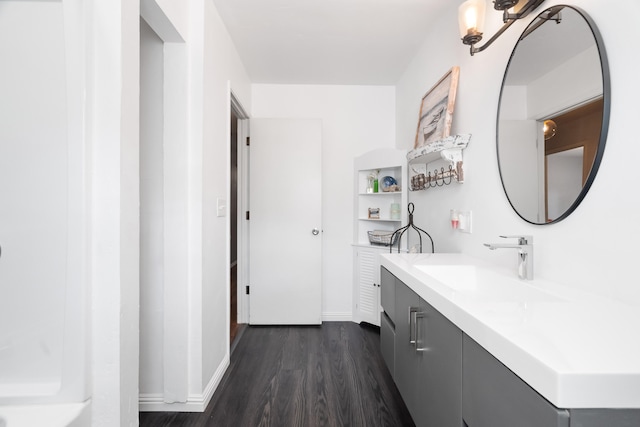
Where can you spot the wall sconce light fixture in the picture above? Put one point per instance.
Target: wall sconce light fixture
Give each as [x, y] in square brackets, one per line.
[471, 19]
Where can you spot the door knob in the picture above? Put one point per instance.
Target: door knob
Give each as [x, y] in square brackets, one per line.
[315, 231]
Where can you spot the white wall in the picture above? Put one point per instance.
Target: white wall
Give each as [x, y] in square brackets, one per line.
[112, 135]
[594, 248]
[215, 69]
[164, 307]
[195, 321]
[570, 84]
[112, 76]
[355, 119]
[151, 211]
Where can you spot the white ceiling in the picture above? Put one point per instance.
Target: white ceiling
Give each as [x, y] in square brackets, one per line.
[366, 42]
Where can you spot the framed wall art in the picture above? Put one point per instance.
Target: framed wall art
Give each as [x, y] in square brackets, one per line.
[436, 110]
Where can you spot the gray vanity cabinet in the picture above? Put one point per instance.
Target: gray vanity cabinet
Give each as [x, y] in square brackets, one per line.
[428, 361]
[388, 293]
[388, 343]
[407, 359]
[495, 396]
[388, 319]
[448, 380]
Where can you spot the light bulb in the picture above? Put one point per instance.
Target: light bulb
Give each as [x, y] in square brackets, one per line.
[471, 20]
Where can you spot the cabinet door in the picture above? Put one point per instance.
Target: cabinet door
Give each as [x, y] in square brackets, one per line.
[495, 396]
[388, 293]
[388, 343]
[439, 374]
[387, 318]
[406, 356]
[368, 283]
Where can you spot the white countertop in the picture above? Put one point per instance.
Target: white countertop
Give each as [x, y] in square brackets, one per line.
[576, 349]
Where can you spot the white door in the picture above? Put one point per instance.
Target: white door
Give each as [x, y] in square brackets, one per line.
[285, 222]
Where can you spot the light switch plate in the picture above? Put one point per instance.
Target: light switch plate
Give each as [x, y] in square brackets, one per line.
[464, 221]
[221, 207]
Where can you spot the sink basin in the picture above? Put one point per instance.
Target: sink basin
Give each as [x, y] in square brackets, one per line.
[475, 283]
[457, 277]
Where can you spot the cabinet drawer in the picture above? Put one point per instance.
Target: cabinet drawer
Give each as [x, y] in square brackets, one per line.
[388, 293]
[493, 396]
[388, 343]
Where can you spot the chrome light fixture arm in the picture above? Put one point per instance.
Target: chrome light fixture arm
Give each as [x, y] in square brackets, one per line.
[473, 36]
[472, 47]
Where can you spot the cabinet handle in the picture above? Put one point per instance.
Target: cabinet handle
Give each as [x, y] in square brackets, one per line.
[419, 315]
[412, 324]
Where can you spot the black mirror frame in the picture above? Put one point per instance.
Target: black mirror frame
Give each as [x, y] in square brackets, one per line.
[606, 95]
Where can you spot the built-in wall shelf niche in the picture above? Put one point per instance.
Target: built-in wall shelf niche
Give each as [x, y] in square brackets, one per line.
[447, 152]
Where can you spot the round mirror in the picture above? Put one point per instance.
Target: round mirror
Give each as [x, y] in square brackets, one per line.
[553, 115]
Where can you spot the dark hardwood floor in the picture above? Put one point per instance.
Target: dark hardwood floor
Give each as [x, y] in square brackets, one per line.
[286, 376]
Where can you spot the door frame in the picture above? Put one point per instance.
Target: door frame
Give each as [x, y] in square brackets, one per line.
[242, 235]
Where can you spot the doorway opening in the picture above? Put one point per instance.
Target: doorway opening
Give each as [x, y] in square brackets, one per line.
[238, 242]
[233, 220]
[164, 183]
[570, 151]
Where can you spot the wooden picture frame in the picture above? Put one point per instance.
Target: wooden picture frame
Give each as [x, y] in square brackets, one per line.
[436, 109]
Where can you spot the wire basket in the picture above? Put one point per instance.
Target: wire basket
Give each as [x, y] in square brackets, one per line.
[382, 237]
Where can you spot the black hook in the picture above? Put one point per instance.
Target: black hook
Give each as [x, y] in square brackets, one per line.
[437, 178]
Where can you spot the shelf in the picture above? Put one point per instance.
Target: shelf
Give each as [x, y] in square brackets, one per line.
[370, 245]
[380, 247]
[383, 193]
[383, 162]
[448, 149]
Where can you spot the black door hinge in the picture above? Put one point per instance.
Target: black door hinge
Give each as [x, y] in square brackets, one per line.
[247, 289]
[247, 215]
[248, 141]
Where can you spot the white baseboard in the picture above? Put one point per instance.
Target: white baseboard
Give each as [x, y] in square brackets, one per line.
[337, 317]
[153, 402]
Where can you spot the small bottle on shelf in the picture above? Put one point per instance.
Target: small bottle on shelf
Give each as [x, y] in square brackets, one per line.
[375, 181]
[395, 210]
[370, 182]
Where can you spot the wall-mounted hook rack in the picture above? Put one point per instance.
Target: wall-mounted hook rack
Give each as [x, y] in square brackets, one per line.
[437, 178]
[448, 149]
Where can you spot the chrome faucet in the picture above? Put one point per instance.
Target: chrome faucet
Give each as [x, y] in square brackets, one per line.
[525, 253]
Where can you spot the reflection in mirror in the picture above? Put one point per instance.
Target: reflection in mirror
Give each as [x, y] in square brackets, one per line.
[564, 180]
[557, 74]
